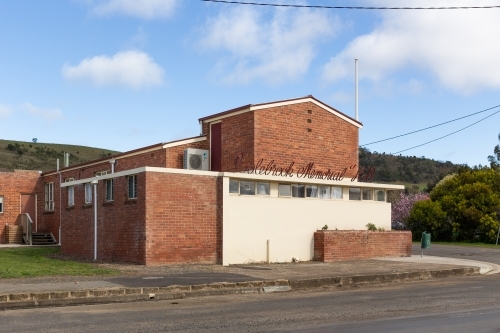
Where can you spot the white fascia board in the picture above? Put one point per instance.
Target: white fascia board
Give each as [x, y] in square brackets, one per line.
[86, 165]
[345, 182]
[239, 175]
[302, 100]
[108, 176]
[211, 120]
[272, 105]
[143, 169]
[184, 142]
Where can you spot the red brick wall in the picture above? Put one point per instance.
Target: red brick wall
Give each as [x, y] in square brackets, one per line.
[175, 155]
[337, 245]
[238, 137]
[290, 133]
[155, 158]
[49, 220]
[12, 185]
[120, 223]
[183, 218]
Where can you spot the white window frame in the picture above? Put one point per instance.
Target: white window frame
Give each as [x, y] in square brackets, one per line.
[255, 185]
[49, 197]
[71, 196]
[132, 180]
[375, 197]
[88, 193]
[109, 182]
[1, 204]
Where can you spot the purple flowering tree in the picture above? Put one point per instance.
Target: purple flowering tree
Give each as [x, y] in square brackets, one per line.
[401, 208]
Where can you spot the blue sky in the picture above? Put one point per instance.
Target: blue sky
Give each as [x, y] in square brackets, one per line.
[123, 74]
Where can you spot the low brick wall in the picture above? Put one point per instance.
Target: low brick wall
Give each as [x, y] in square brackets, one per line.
[337, 245]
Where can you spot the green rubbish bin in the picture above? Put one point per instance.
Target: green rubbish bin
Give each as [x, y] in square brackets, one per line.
[426, 240]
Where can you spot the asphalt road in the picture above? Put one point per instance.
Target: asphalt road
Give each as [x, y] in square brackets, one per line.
[461, 252]
[458, 305]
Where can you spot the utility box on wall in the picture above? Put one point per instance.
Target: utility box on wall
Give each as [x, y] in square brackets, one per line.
[196, 159]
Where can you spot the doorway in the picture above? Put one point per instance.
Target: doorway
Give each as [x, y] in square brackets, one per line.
[28, 205]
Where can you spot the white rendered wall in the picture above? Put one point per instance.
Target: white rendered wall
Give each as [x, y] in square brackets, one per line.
[289, 224]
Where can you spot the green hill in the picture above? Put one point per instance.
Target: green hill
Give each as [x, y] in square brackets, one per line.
[42, 156]
[411, 171]
[408, 170]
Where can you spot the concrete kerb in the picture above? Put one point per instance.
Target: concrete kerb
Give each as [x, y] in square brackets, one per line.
[120, 295]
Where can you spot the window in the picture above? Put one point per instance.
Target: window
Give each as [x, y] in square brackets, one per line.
[336, 192]
[88, 193]
[379, 195]
[71, 196]
[354, 193]
[367, 194]
[324, 192]
[100, 173]
[311, 191]
[132, 187]
[247, 188]
[298, 191]
[1, 205]
[284, 190]
[263, 188]
[234, 186]
[109, 189]
[49, 196]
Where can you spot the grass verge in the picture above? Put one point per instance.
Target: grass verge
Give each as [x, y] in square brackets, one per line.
[22, 262]
[470, 244]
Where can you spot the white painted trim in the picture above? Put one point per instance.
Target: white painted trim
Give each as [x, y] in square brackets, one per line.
[346, 182]
[184, 142]
[86, 165]
[144, 169]
[227, 115]
[291, 102]
[303, 100]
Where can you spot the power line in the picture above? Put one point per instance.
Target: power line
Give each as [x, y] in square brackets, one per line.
[444, 136]
[423, 129]
[347, 7]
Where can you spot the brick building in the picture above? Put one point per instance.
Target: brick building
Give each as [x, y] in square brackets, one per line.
[255, 185]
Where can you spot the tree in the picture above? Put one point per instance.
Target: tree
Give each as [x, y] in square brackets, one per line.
[462, 207]
[401, 208]
[34, 140]
[495, 158]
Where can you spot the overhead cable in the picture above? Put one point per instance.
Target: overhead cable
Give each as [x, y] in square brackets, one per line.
[444, 136]
[348, 7]
[423, 129]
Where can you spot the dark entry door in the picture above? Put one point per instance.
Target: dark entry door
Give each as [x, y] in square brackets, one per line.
[28, 205]
[215, 147]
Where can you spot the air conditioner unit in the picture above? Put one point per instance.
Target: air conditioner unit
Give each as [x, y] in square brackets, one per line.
[196, 159]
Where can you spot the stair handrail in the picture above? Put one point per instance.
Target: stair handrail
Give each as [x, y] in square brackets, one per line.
[27, 225]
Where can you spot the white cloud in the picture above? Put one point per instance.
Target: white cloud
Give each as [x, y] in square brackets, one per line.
[146, 9]
[5, 111]
[47, 114]
[134, 69]
[458, 48]
[275, 48]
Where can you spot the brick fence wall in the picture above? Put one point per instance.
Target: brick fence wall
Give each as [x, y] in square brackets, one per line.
[337, 245]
